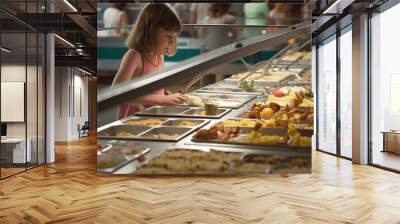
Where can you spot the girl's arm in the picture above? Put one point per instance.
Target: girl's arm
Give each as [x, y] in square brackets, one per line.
[132, 64]
[161, 100]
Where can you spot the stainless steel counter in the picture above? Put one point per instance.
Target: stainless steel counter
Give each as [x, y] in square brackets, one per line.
[158, 147]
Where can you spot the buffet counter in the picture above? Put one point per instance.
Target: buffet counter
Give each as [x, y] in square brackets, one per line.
[262, 128]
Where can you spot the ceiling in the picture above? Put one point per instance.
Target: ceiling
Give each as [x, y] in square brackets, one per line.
[76, 24]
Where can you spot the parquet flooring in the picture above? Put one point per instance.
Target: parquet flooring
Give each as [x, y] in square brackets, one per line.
[70, 191]
[10, 171]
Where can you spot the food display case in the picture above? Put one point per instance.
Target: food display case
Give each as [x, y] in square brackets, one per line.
[251, 122]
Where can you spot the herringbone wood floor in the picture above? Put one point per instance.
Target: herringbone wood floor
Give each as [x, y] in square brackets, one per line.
[69, 191]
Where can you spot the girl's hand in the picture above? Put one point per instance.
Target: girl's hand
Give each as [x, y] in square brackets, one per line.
[174, 99]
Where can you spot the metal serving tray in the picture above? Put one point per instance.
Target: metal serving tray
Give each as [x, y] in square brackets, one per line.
[110, 132]
[240, 119]
[228, 90]
[140, 132]
[110, 162]
[231, 161]
[163, 110]
[226, 103]
[126, 121]
[179, 132]
[187, 112]
[131, 151]
[272, 82]
[251, 77]
[299, 83]
[167, 121]
[176, 122]
[225, 100]
[301, 125]
[196, 112]
[265, 131]
[225, 84]
[224, 96]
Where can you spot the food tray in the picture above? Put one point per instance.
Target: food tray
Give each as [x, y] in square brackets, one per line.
[179, 132]
[111, 132]
[178, 122]
[225, 100]
[272, 82]
[110, 162]
[264, 131]
[299, 83]
[140, 132]
[301, 125]
[126, 148]
[225, 83]
[188, 112]
[174, 161]
[166, 121]
[196, 112]
[251, 77]
[284, 64]
[163, 110]
[226, 103]
[227, 90]
[146, 121]
[241, 119]
[290, 58]
[224, 96]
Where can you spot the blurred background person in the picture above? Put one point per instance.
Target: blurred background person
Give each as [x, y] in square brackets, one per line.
[255, 14]
[286, 14]
[197, 13]
[236, 10]
[217, 36]
[214, 37]
[115, 16]
[183, 11]
[306, 11]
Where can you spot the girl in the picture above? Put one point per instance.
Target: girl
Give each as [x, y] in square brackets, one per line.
[153, 35]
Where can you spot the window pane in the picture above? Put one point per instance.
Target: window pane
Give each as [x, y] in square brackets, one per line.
[327, 96]
[346, 94]
[385, 88]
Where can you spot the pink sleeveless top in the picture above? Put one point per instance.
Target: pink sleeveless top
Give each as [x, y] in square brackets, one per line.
[125, 110]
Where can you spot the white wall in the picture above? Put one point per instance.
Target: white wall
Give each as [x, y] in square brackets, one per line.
[71, 87]
[16, 73]
[33, 127]
[10, 73]
[61, 104]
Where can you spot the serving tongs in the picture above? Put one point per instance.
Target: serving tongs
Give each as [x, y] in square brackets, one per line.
[250, 68]
[291, 45]
[193, 81]
[297, 48]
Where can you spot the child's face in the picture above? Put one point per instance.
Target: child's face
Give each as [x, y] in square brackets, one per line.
[165, 39]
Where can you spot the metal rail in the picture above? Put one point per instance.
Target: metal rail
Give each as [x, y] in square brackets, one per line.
[125, 92]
